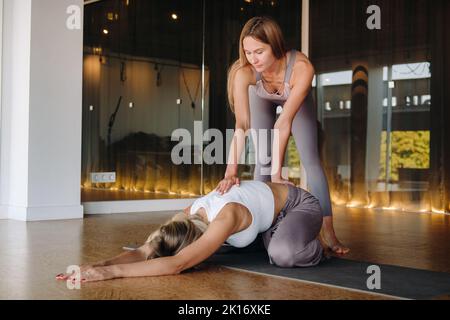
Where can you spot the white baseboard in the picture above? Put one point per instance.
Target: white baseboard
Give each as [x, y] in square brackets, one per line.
[42, 213]
[107, 207]
[95, 207]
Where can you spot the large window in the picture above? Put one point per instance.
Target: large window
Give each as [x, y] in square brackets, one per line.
[151, 68]
[154, 67]
[376, 140]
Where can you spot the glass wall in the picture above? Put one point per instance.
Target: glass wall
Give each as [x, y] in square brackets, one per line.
[374, 100]
[142, 81]
[155, 81]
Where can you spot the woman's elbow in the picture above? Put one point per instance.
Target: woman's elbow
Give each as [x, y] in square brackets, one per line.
[177, 270]
[179, 266]
[244, 126]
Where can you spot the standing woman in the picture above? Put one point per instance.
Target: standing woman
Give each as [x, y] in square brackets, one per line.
[267, 75]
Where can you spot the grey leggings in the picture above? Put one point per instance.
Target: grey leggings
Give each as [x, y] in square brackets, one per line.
[304, 130]
[292, 240]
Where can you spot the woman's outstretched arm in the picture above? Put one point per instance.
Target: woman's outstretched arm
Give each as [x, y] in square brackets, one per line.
[198, 251]
[140, 254]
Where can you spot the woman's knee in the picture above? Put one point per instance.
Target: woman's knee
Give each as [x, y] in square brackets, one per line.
[282, 254]
[288, 256]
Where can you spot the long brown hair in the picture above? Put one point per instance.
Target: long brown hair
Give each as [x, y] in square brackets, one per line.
[176, 234]
[263, 29]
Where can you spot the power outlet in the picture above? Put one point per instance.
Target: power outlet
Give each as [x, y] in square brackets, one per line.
[103, 177]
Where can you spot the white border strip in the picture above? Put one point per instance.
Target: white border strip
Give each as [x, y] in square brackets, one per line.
[317, 283]
[3, 212]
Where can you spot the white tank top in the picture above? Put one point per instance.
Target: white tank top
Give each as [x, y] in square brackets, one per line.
[256, 196]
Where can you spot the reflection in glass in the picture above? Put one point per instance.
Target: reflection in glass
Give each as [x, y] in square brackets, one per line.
[142, 80]
[397, 145]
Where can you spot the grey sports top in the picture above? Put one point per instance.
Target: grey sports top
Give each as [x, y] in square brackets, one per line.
[262, 92]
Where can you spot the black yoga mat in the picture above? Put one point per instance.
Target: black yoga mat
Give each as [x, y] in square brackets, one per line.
[396, 281]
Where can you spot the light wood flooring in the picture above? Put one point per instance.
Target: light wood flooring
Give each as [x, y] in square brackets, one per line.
[32, 253]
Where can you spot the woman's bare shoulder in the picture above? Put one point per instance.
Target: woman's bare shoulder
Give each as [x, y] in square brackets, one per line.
[300, 57]
[302, 67]
[246, 75]
[232, 211]
[235, 214]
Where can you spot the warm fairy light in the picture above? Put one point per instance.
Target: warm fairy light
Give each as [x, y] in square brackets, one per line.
[174, 16]
[97, 50]
[353, 204]
[105, 31]
[336, 201]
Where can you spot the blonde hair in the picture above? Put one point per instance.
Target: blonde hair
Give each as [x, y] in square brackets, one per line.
[263, 29]
[176, 234]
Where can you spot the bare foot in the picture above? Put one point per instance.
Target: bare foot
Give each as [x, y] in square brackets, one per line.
[325, 247]
[336, 246]
[330, 238]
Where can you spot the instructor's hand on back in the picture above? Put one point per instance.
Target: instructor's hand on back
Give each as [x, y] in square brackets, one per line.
[226, 183]
[278, 179]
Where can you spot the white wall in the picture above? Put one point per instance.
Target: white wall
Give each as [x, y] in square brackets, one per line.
[15, 103]
[3, 213]
[41, 123]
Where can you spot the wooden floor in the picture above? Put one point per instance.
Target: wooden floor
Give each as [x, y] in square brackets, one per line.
[32, 253]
